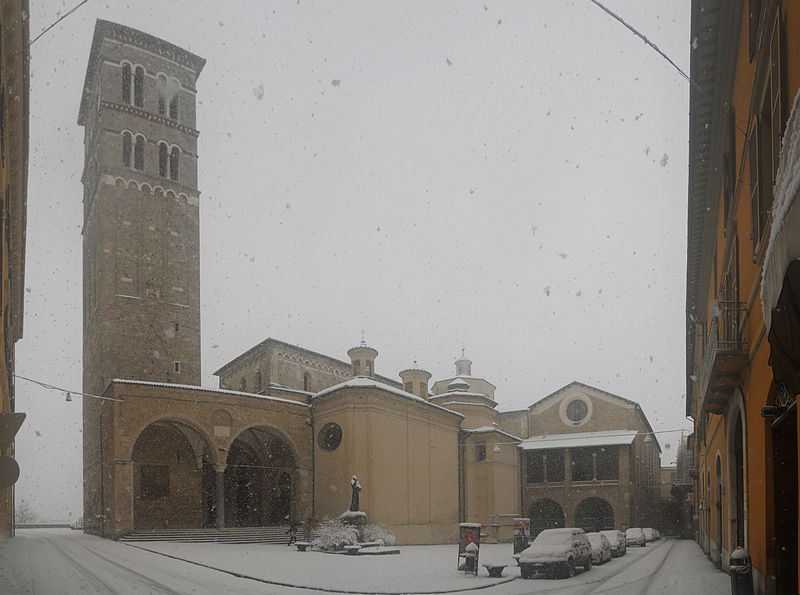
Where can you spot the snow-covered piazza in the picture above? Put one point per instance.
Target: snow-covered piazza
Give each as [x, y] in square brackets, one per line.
[47, 561]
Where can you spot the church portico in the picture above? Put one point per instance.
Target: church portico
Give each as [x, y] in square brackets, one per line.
[189, 457]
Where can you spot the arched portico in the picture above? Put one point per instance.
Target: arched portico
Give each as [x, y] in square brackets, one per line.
[258, 480]
[168, 460]
[594, 514]
[545, 514]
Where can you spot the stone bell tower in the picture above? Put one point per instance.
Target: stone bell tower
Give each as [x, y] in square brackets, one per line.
[141, 275]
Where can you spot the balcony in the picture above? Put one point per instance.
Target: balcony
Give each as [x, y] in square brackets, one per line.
[725, 358]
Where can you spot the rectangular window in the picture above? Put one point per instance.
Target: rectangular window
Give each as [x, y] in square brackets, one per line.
[608, 462]
[357, 368]
[555, 465]
[409, 387]
[177, 367]
[126, 83]
[369, 367]
[534, 468]
[582, 464]
[480, 452]
[154, 482]
[177, 327]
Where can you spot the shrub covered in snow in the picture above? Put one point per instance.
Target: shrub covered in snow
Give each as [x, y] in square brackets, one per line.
[332, 535]
[376, 532]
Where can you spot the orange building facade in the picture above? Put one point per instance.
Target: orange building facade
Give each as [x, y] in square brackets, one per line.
[743, 283]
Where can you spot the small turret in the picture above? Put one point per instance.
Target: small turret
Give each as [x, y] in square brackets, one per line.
[415, 381]
[362, 360]
[463, 366]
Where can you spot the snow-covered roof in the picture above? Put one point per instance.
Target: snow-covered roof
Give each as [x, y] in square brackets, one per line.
[211, 390]
[471, 404]
[362, 382]
[605, 438]
[487, 429]
[277, 386]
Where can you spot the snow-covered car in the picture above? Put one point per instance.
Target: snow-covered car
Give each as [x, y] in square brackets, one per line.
[601, 548]
[634, 536]
[617, 541]
[649, 534]
[556, 552]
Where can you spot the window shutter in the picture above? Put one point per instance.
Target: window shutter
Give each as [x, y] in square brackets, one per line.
[775, 94]
[755, 11]
[754, 189]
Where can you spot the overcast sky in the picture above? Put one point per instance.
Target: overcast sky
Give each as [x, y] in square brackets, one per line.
[504, 177]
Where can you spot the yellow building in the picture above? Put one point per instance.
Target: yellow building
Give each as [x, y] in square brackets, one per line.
[14, 104]
[743, 283]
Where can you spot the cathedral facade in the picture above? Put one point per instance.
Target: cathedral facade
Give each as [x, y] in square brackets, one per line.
[288, 427]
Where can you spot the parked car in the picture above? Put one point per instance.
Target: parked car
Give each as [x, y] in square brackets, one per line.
[617, 541]
[601, 548]
[649, 534]
[556, 552]
[634, 537]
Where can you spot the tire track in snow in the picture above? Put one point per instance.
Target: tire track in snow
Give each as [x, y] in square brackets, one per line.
[95, 581]
[649, 579]
[143, 578]
[134, 576]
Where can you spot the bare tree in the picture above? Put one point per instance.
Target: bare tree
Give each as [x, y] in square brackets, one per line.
[24, 513]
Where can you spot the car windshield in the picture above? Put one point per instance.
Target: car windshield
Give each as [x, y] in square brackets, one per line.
[373, 276]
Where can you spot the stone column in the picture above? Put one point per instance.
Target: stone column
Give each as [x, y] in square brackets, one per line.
[220, 472]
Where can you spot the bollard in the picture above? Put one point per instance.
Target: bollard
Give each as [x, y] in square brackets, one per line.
[741, 572]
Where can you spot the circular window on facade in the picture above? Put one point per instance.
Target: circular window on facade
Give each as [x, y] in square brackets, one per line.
[330, 436]
[577, 410]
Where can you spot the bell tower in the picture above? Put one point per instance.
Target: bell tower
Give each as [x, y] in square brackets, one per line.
[141, 275]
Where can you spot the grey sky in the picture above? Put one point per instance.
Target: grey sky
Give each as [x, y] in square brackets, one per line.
[506, 177]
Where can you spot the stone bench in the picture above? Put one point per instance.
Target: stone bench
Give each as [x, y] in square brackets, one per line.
[302, 545]
[495, 569]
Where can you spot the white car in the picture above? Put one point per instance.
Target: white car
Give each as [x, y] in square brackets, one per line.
[556, 552]
[635, 537]
[601, 548]
[649, 534]
[617, 541]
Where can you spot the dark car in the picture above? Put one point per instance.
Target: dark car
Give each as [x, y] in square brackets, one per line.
[556, 553]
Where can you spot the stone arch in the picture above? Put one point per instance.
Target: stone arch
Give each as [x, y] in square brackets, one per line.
[261, 469]
[594, 514]
[545, 514]
[133, 185]
[145, 187]
[169, 458]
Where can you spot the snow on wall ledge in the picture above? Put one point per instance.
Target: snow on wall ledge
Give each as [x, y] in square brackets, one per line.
[784, 237]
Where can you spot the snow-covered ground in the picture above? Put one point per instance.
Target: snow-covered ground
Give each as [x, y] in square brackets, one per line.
[62, 561]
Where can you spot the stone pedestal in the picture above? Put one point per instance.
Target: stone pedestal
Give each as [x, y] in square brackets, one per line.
[357, 519]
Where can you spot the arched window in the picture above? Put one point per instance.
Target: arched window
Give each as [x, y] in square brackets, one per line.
[127, 141]
[173, 106]
[163, 152]
[138, 154]
[138, 87]
[173, 163]
[162, 90]
[126, 83]
[306, 381]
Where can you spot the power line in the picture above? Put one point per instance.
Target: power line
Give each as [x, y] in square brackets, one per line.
[641, 36]
[70, 12]
[68, 392]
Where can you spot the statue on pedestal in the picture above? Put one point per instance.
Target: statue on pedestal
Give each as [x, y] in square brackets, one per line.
[356, 489]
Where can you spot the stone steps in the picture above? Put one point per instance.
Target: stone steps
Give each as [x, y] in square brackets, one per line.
[275, 535]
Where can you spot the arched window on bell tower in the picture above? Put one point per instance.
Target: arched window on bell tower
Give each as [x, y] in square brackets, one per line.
[163, 159]
[138, 87]
[138, 153]
[126, 83]
[127, 142]
[162, 100]
[174, 157]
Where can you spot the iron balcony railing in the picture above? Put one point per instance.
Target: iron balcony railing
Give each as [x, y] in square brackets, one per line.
[724, 338]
